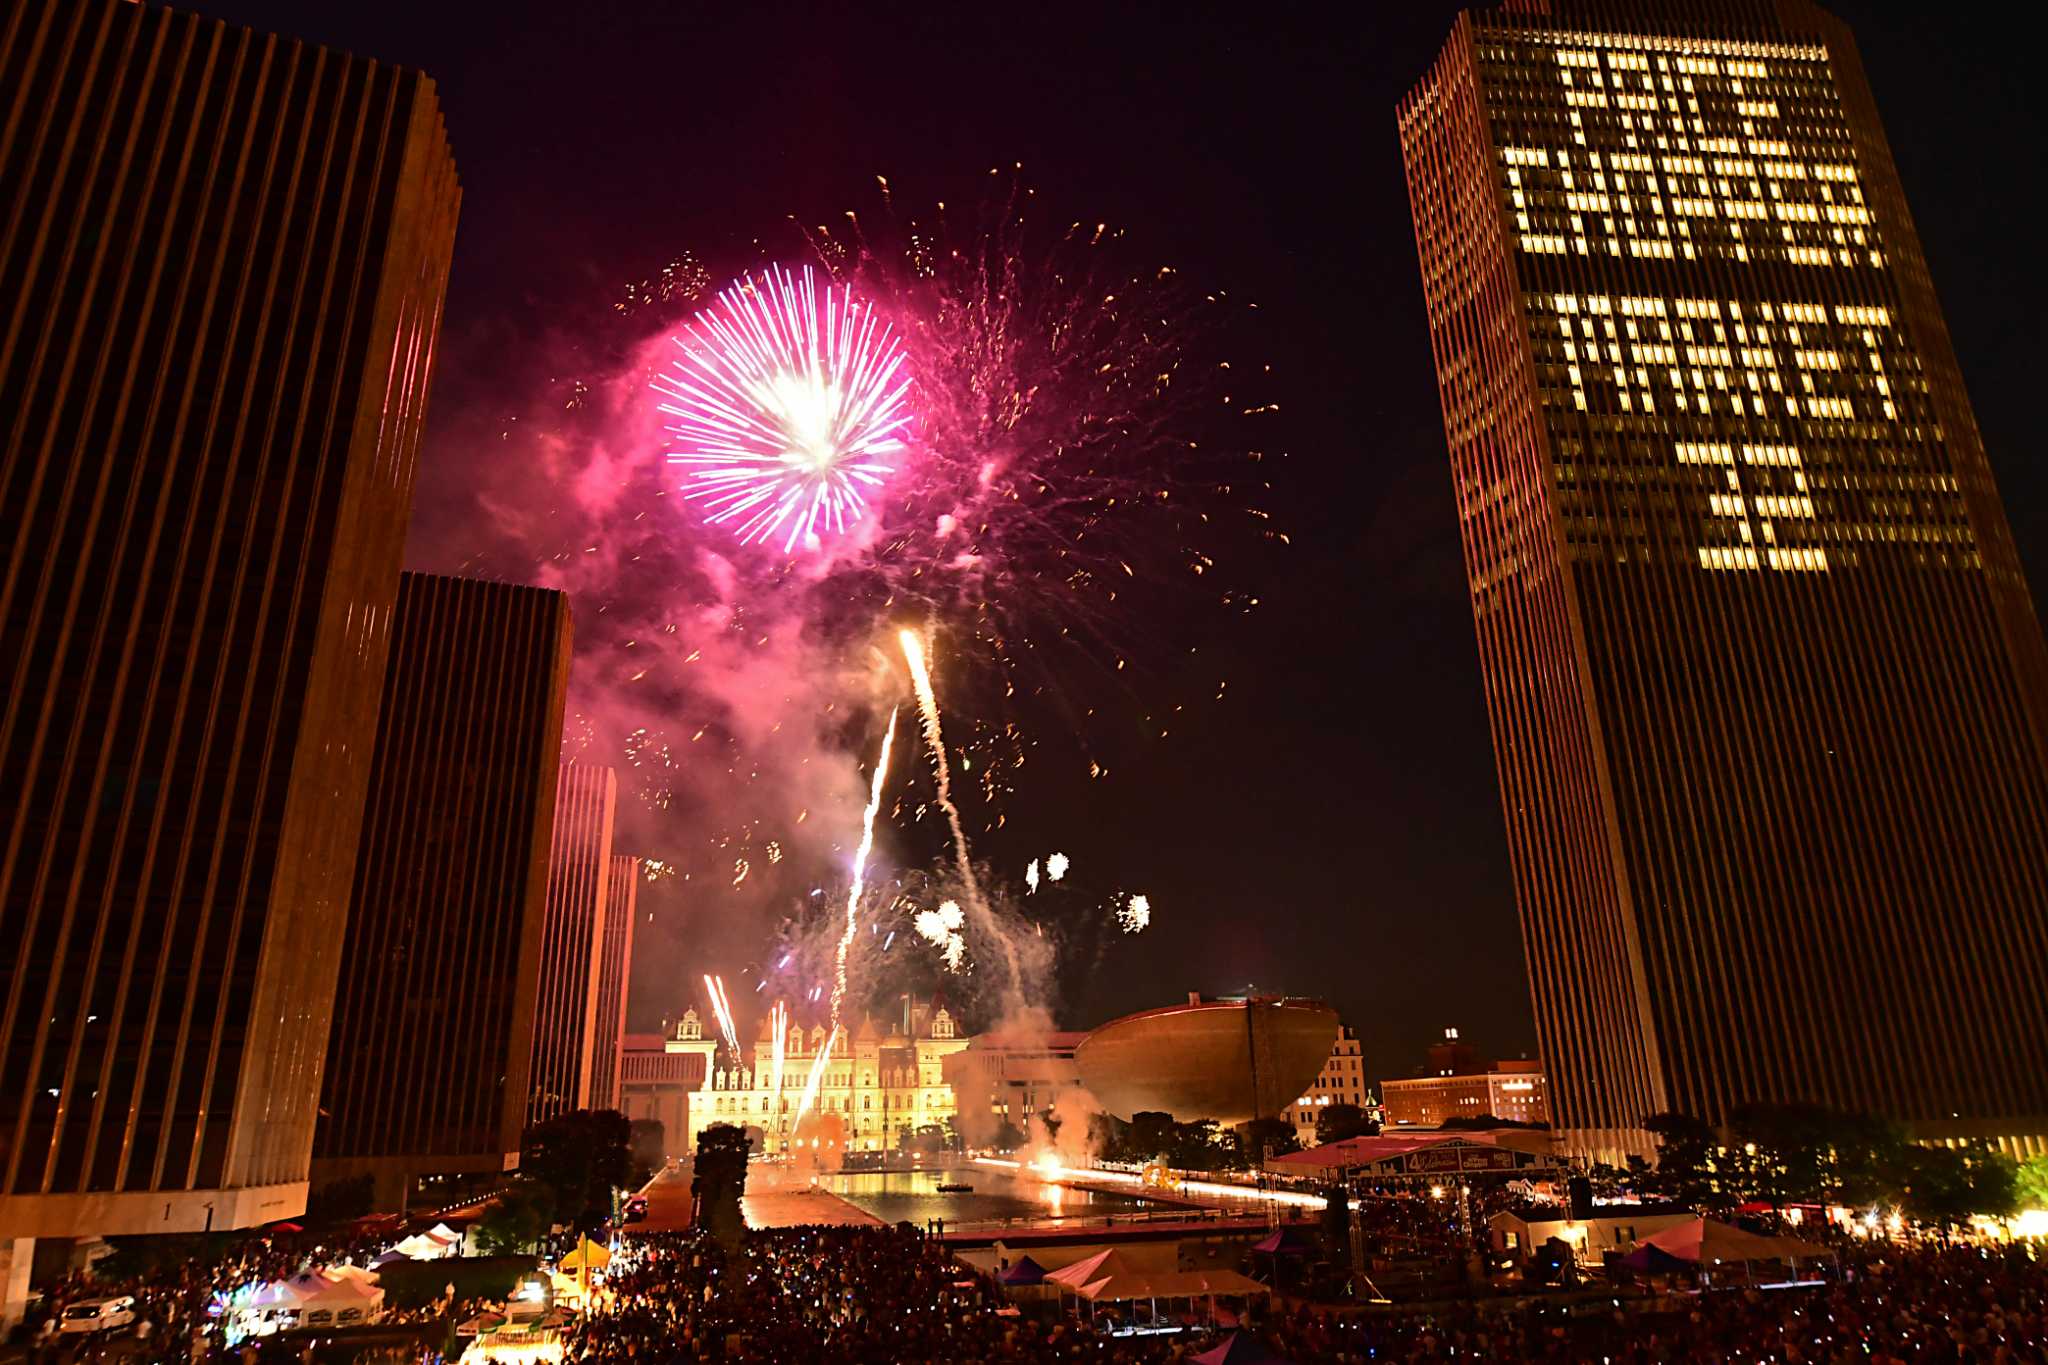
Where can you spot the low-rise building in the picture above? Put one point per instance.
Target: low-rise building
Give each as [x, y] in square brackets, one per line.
[1341, 1081]
[1459, 1084]
[1613, 1227]
[656, 1083]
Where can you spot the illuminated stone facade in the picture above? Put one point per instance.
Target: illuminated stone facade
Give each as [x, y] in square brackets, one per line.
[1341, 1081]
[1765, 680]
[886, 1081]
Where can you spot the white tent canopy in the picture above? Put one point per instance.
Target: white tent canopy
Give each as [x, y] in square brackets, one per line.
[422, 1246]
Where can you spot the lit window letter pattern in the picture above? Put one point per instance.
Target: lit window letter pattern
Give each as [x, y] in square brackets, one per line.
[1766, 685]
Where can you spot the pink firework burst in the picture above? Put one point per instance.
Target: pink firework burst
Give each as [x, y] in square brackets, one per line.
[788, 399]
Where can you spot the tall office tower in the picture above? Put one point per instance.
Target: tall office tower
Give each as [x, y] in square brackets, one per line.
[433, 1019]
[615, 973]
[1766, 684]
[572, 941]
[222, 259]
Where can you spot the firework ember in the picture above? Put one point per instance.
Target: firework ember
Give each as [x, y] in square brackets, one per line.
[787, 400]
[941, 929]
[1134, 914]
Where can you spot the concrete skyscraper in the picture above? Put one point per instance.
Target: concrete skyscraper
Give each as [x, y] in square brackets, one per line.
[1766, 683]
[433, 1018]
[615, 973]
[222, 261]
[572, 941]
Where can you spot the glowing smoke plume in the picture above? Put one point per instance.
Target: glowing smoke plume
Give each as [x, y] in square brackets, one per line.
[860, 868]
[785, 400]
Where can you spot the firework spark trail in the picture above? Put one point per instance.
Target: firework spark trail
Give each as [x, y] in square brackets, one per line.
[928, 706]
[816, 1078]
[860, 867]
[778, 1026]
[723, 1011]
[785, 398]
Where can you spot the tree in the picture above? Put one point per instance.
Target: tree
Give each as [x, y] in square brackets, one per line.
[1483, 1123]
[1150, 1136]
[1685, 1159]
[1261, 1138]
[581, 1156]
[646, 1151]
[719, 1179]
[1109, 1137]
[1946, 1185]
[517, 1219]
[930, 1139]
[1340, 1121]
[2030, 1184]
[1197, 1146]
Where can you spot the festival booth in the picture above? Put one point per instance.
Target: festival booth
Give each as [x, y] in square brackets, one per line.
[1188, 1295]
[1716, 1250]
[347, 1301]
[426, 1246]
[572, 1272]
[1024, 1280]
[265, 1309]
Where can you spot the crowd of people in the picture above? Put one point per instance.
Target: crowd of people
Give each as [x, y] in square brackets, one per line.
[896, 1297]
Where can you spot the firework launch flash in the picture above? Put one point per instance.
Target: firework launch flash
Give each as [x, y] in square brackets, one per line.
[778, 1028]
[787, 399]
[816, 1078]
[860, 867]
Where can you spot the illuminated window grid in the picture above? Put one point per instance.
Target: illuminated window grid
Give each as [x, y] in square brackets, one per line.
[1633, 700]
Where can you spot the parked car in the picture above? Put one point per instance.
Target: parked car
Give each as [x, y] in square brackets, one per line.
[99, 1315]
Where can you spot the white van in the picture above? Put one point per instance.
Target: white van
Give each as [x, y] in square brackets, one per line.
[99, 1315]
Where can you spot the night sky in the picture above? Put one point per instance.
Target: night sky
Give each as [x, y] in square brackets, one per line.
[1333, 828]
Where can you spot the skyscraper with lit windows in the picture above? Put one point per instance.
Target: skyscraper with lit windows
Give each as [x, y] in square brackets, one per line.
[1766, 684]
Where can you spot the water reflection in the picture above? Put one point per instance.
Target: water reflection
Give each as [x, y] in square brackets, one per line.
[914, 1196]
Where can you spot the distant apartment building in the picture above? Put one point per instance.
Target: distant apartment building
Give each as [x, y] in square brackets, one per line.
[1459, 1084]
[614, 972]
[1341, 1081]
[572, 941]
